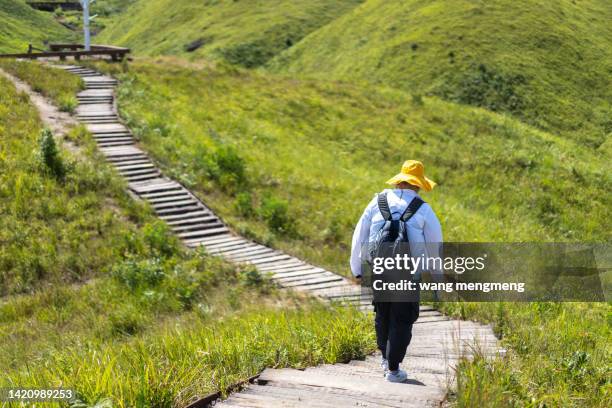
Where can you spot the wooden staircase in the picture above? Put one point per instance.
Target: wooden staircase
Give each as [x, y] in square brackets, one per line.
[437, 344]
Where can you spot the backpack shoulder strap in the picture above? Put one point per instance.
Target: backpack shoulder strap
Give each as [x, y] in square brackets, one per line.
[383, 206]
[412, 208]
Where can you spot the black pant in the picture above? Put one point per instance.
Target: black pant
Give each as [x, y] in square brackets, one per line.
[393, 324]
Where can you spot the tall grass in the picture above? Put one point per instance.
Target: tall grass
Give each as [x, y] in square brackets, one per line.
[171, 366]
[112, 306]
[545, 63]
[320, 150]
[558, 355]
[22, 25]
[56, 84]
[57, 225]
[246, 33]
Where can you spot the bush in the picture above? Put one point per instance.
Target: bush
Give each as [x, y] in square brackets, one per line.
[159, 239]
[244, 204]
[228, 169]
[49, 158]
[276, 213]
[139, 274]
[67, 104]
[487, 88]
[249, 55]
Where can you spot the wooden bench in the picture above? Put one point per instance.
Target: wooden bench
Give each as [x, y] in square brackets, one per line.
[62, 51]
[52, 5]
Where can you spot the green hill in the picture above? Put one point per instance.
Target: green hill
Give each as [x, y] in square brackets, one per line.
[548, 63]
[105, 288]
[293, 162]
[21, 25]
[246, 32]
[314, 146]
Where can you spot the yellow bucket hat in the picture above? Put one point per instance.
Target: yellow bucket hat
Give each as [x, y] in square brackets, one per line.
[413, 172]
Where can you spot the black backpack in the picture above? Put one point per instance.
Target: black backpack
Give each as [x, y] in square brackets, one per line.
[392, 238]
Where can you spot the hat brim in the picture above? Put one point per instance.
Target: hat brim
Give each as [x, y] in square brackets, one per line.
[423, 182]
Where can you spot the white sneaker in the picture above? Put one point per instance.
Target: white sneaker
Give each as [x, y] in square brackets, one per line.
[398, 376]
[384, 364]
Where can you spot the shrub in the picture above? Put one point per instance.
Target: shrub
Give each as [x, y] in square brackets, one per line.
[276, 213]
[67, 103]
[159, 239]
[490, 89]
[248, 55]
[228, 168]
[252, 277]
[244, 204]
[139, 274]
[126, 321]
[417, 99]
[49, 158]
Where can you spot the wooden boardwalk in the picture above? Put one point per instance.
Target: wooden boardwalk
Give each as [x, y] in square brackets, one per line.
[438, 342]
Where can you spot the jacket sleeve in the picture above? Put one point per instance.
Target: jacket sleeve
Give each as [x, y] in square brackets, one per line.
[432, 231]
[360, 236]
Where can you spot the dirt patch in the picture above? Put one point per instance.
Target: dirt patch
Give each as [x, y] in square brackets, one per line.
[59, 122]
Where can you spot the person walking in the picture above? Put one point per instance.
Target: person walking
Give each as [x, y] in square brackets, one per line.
[394, 320]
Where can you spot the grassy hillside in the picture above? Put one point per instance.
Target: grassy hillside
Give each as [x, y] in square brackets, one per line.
[255, 144]
[245, 32]
[21, 25]
[110, 304]
[547, 63]
[56, 228]
[293, 162]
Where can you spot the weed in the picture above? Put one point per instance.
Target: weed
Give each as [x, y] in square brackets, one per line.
[276, 214]
[487, 88]
[49, 157]
[244, 204]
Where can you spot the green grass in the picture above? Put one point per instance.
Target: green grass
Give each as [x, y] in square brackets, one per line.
[271, 154]
[104, 300]
[21, 25]
[195, 354]
[246, 32]
[54, 231]
[61, 87]
[546, 63]
[293, 162]
[559, 355]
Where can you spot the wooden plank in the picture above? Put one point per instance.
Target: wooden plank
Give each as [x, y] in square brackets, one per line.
[254, 256]
[199, 212]
[203, 233]
[309, 270]
[305, 275]
[198, 242]
[216, 240]
[371, 387]
[295, 268]
[174, 204]
[195, 227]
[284, 263]
[165, 194]
[177, 211]
[180, 196]
[222, 251]
[195, 220]
[312, 281]
[235, 242]
[257, 249]
[272, 259]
